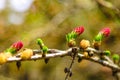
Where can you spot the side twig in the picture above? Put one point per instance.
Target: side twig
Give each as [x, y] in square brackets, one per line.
[69, 73]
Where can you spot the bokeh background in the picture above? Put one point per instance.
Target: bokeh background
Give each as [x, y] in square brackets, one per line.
[51, 20]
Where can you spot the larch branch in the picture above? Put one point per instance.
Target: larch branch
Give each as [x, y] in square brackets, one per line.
[53, 53]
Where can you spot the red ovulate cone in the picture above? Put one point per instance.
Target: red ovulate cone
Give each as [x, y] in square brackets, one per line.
[105, 32]
[79, 30]
[17, 45]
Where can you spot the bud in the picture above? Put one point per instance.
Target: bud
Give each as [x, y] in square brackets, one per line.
[44, 49]
[26, 54]
[84, 44]
[79, 30]
[105, 32]
[3, 58]
[40, 42]
[70, 74]
[71, 43]
[116, 57]
[79, 59]
[107, 53]
[18, 64]
[96, 44]
[66, 70]
[86, 54]
[17, 45]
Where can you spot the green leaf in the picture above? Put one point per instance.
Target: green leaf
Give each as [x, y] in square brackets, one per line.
[68, 37]
[99, 37]
[11, 50]
[71, 36]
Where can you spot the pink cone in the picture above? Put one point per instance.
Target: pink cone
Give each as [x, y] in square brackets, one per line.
[79, 30]
[17, 45]
[105, 32]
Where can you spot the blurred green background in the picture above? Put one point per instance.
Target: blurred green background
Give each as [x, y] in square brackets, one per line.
[51, 20]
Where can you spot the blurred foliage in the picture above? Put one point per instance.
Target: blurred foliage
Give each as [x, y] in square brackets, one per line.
[51, 20]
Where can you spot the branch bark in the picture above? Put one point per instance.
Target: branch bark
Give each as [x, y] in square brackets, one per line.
[53, 53]
[38, 55]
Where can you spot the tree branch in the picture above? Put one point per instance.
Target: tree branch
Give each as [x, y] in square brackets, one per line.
[52, 53]
[102, 62]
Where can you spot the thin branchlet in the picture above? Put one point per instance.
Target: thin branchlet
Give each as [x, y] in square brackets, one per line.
[69, 73]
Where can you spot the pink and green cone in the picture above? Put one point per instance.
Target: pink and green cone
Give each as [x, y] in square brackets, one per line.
[105, 32]
[79, 30]
[70, 37]
[75, 33]
[15, 47]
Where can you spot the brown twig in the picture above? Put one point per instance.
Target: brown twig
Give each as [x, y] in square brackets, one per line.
[69, 73]
[115, 74]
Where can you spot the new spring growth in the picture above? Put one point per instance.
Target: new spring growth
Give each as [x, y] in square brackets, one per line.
[10, 51]
[107, 53]
[44, 49]
[115, 58]
[42, 46]
[70, 37]
[15, 47]
[40, 43]
[105, 32]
